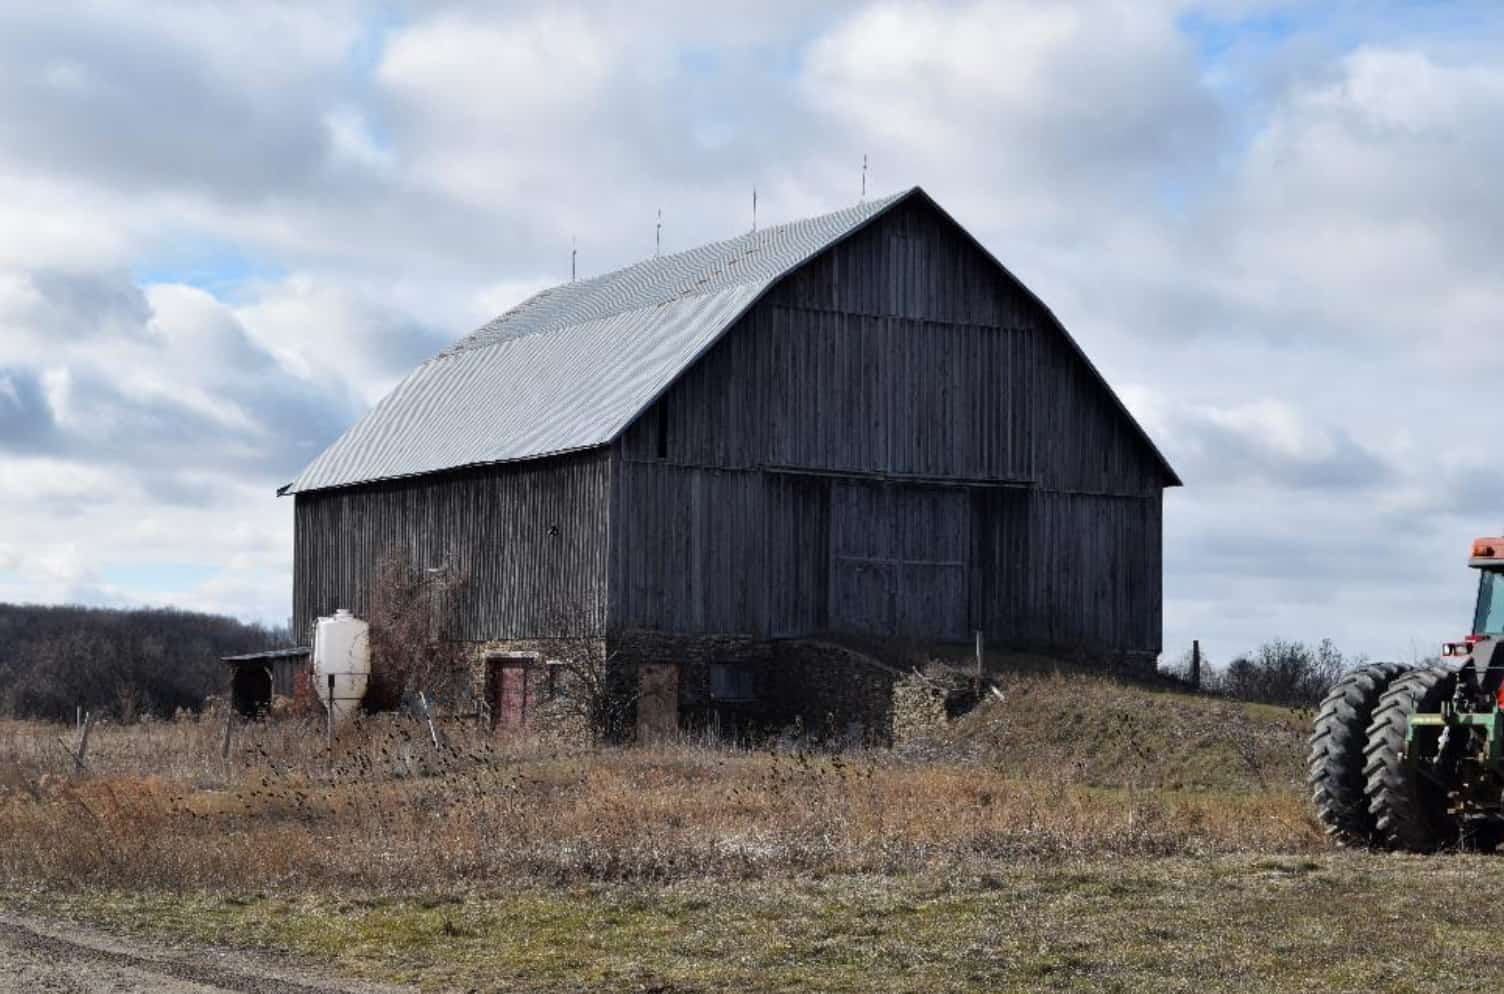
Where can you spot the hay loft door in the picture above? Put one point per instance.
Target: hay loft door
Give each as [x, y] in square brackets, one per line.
[899, 561]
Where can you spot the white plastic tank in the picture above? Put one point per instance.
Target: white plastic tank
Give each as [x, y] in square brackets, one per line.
[341, 662]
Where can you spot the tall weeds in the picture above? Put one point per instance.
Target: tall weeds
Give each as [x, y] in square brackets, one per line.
[385, 809]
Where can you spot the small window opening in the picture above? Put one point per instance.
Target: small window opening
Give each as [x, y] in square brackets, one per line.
[732, 683]
[662, 434]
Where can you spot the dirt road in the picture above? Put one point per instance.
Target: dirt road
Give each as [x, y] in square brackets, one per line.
[45, 956]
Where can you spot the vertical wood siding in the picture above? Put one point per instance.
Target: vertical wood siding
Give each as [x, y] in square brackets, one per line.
[701, 551]
[900, 558]
[902, 351]
[901, 355]
[1097, 575]
[896, 440]
[531, 538]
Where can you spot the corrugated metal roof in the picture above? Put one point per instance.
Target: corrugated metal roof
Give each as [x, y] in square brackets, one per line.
[270, 654]
[571, 367]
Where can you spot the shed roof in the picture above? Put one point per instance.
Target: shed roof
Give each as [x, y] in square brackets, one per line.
[571, 367]
[266, 655]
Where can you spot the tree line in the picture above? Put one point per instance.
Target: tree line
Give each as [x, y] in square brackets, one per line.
[1292, 674]
[128, 663]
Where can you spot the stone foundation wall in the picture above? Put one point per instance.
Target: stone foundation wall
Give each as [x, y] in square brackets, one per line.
[823, 690]
[835, 692]
[553, 707]
[819, 689]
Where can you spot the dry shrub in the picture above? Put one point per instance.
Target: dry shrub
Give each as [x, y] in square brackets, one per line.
[412, 617]
[384, 808]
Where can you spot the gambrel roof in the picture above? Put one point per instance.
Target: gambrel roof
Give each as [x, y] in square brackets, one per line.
[571, 367]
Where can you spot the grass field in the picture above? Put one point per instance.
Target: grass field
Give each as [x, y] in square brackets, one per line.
[1084, 835]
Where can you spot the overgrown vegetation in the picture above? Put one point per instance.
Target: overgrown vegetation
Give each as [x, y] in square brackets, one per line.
[1289, 674]
[162, 809]
[125, 663]
[412, 648]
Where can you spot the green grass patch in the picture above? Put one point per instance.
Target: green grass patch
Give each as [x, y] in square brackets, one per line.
[1333, 922]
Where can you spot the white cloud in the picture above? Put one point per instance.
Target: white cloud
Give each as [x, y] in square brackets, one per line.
[353, 142]
[1284, 259]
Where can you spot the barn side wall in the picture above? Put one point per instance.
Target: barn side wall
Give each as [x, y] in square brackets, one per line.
[899, 441]
[529, 539]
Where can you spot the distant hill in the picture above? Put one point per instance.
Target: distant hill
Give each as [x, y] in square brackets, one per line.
[126, 662]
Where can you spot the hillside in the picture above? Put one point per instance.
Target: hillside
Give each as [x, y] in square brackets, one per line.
[125, 662]
[1106, 732]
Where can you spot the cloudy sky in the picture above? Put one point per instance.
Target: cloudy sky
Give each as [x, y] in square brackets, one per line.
[225, 230]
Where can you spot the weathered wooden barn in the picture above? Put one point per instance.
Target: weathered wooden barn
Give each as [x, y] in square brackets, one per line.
[855, 425]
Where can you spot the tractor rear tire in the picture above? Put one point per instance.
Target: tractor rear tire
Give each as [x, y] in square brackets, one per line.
[1336, 758]
[1409, 808]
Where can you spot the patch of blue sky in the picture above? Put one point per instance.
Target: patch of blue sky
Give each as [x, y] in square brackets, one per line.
[782, 62]
[363, 59]
[380, 22]
[211, 264]
[1215, 37]
[1172, 193]
[1233, 51]
[1342, 26]
[145, 579]
[699, 61]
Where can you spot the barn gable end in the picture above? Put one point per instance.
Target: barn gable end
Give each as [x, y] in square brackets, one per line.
[904, 350]
[898, 439]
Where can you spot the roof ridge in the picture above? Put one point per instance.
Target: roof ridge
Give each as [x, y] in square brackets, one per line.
[680, 287]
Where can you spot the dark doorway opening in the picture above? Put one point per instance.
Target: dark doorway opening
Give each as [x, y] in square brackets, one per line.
[251, 690]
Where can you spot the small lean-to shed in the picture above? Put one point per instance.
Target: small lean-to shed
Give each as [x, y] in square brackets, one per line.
[859, 425]
[258, 677]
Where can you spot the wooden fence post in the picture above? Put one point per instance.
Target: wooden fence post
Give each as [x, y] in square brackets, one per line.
[981, 673]
[329, 721]
[1195, 664]
[78, 755]
[433, 733]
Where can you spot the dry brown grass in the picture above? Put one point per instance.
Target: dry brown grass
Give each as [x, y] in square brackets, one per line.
[387, 811]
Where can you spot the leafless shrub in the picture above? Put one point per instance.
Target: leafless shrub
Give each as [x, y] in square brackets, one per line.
[593, 697]
[1292, 674]
[413, 610]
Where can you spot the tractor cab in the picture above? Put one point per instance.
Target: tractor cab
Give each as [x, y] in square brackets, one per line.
[1487, 557]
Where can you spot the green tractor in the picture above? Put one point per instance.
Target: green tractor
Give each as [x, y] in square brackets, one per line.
[1412, 758]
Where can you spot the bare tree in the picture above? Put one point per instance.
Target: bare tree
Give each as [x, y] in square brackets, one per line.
[1280, 672]
[591, 692]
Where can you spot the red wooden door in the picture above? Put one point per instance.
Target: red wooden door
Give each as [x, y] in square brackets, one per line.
[509, 687]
